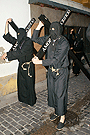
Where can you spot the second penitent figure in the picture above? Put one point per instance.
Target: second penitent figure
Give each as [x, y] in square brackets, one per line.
[57, 61]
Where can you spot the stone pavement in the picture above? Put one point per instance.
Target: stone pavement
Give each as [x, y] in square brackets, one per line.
[17, 118]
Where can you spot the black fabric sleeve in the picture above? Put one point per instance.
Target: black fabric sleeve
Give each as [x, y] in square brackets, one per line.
[70, 40]
[27, 48]
[35, 37]
[78, 46]
[9, 38]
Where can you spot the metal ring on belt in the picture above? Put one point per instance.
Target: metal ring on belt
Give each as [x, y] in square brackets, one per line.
[55, 70]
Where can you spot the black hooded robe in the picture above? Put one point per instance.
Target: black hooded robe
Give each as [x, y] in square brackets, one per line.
[78, 51]
[57, 57]
[25, 83]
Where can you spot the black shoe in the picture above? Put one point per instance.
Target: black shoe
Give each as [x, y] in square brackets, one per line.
[60, 125]
[54, 117]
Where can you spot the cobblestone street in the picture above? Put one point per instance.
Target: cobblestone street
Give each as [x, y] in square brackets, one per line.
[18, 118]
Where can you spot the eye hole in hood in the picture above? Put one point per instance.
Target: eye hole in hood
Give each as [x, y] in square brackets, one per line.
[55, 30]
[21, 33]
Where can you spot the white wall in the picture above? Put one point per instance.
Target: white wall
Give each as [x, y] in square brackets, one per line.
[19, 11]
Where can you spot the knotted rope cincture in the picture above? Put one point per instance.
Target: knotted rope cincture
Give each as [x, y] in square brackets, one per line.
[27, 63]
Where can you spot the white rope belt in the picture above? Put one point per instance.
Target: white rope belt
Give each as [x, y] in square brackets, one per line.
[27, 63]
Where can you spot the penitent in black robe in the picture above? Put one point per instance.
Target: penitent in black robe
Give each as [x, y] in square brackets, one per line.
[78, 51]
[25, 83]
[57, 57]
